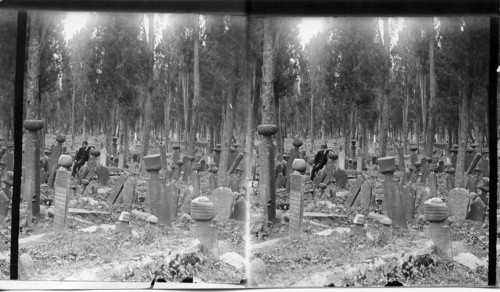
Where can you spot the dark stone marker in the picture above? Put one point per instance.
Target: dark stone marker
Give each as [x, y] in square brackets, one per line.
[409, 193]
[195, 178]
[114, 146]
[392, 196]
[170, 199]
[177, 153]
[297, 188]
[217, 155]
[353, 192]
[234, 183]
[433, 180]
[127, 195]
[93, 162]
[235, 163]
[468, 158]
[330, 167]
[294, 154]
[62, 189]
[267, 190]
[223, 202]
[240, 210]
[365, 197]
[54, 158]
[453, 156]
[450, 178]
[102, 173]
[484, 186]
[477, 210]
[340, 177]
[115, 192]
[232, 156]
[188, 166]
[280, 181]
[207, 234]
[203, 164]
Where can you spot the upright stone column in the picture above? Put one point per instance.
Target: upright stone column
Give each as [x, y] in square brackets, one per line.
[426, 161]
[453, 156]
[217, 151]
[195, 179]
[267, 189]
[232, 156]
[330, 167]
[62, 192]
[93, 164]
[32, 180]
[414, 154]
[433, 180]
[54, 158]
[450, 177]
[156, 197]
[297, 185]
[392, 196]
[484, 186]
[353, 150]
[177, 153]
[114, 147]
[177, 170]
[437, 213]
[294, 154]
[212, 178]
[203, 211]
[187, 168]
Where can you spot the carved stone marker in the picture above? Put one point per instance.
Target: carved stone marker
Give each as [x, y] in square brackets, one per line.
[439, 226]
[392, 196]
[341, 157]
[240, 210]
[330, 167]
[102, 173]
[62, 189]
[433, 180]
[195, 178]
[188, 160]
[267, 190]
[234, 183]
[54, 158]
[114, 146]
[409, 193]
[169, 202]
[127, 195]
[31, 191]
[223, 202]
[458, 202]
[424, 167]
[340, 177]
[104, 156]
[297, 188]
[353, 192]
[217, 151]
[115, 192]
[450, 178]
[177, 153]
[294, 154]
[365, 197]
[414, 154]
[206, 232]
[477, 210]
[212, 178]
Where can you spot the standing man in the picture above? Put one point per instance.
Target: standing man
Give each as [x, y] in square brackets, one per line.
[81, 157]
[319, 160]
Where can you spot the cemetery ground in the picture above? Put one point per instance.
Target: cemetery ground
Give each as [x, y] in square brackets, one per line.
[91, 250]
[326, 254]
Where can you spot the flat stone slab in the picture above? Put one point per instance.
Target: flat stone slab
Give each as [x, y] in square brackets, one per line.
[264, 244]
[94, 228]
[322, 215]
[31, 239]
[84, 211]
[470, 261]
[234, 259]
[339, 230]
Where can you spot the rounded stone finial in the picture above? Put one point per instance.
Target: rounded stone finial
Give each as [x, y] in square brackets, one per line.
[267, 129]
[33, 125]
[65, 161]
[333, 156]
[299, 165]
[60, 139]
[417, 164]
[176, 147]
[152, 219]
[413, 148]
[196, 166]
[297, 143]
[85, 182]
[217, 150]
[435, 210]
[386, 221]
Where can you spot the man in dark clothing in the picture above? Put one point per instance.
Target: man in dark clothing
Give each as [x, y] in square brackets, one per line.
[319, 160]
[81, 157]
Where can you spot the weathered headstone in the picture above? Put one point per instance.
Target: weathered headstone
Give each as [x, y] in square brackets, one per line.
[195, 178]
[115, 192]
[409, 193]
[188, 160]
[206, 232]
[477, 210]
[212, 179]
[62, 189]
[171, 194]
[54, 158]
[424, 167]
[127, 195]
[297, 185]
[440, 234]
[401, 159]
[354, 191]
[484, 164]
[433, 180]
[365, 197]
[359, 164]
[217, 151]
[458, 202]
[450, 178]
[163, 154]
[31, 191]
[294, 154]
[104, 157]
[102, 173]
[114, 146]
[414, 154]
[341, 157]
[234, 183]
[177, 153]
[240, 210]
[223, 202]
[330, 167]
[340, 177]
[392, 196]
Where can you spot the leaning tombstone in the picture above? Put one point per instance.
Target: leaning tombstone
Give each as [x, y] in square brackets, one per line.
[484, 187]
[354, 191]
[365, 197]
[436, 212]
[115, 192]
[484, 165]
[223, 202]
[232, 156]
[62, 190]
[54, 158]
[297, 188]
[203, 211]
[127, 195]
[392, 196]
[468, 158]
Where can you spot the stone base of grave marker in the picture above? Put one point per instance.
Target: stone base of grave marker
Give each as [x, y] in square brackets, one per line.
[207, 234]
[297, 187]
[440, 235]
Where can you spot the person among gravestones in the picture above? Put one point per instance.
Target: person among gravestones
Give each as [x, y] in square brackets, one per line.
[81, 157]
[319, 160]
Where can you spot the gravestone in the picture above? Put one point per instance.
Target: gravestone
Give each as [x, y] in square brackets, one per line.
[468, 158]
[195, 178]
[234, 183]
[341, 157]
[425, 169]
[223, 202]
[232, 156]
[172, 194]
[217, 155]
[365, 197]
[409, 193]
[54, 158]
[177, 153]
[450, 178]
[8, 157]
[458, 202]
[203, 165]
[471, 184]
[297, 188]
[267, 188]
[440, 233]
[354, 191]
[103, 156]
[163, 154]
[31, 176]
[293, 154]
[206, 232]
[453, 156]
[359, 164]
[477, 210]
[433, 180]
[235, 163]
[102, 173]
[61, 190]
[330, 167]
[392, 197]
[401, 159]
[115, 192]
[484, 166]
[212, 179]
[414, 154]
[177, 170]
[240, 210]
[340, 177]
[127, 195]
[187, 168]
[121, 160]
[94, 154]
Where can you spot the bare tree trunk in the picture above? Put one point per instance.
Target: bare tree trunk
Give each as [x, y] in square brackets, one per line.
[251, 80]
[432, 98]
[384, 125]
[196, 77]
[406, 107]
[185, 96]
[311, 127]
[166, 118]
[73, 119]
[149, 93]
[462, 135]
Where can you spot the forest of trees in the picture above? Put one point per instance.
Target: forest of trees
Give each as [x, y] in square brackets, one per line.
[215, 78]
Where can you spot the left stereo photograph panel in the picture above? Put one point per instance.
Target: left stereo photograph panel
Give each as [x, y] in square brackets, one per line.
[118, 164]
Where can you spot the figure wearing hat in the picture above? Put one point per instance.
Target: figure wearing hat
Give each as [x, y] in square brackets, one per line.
[319, 160]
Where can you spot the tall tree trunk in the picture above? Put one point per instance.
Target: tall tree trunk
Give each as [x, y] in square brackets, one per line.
[323, 123]
[185, 98]
[406, 106]
[384, 125]
[73, 118]
[462, 135]
[149, 94]
[196, 97]
[311, 125]
[166, 117]
[251, 84]
[432, 97]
